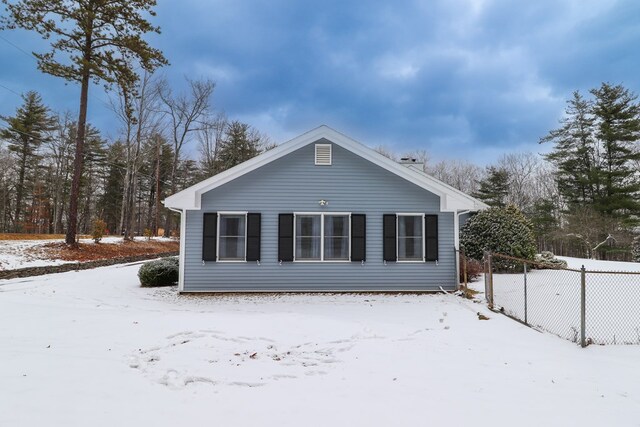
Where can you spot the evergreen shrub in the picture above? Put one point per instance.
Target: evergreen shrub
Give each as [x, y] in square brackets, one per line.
[162, 272]
[499, 230]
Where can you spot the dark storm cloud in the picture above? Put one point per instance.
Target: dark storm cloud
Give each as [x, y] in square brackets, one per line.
[457, 78]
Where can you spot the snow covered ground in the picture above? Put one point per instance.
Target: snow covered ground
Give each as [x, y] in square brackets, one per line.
[24, 253]
[93, 348]
[598, 265]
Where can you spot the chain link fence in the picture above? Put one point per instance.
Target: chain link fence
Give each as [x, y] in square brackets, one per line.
[582, 306]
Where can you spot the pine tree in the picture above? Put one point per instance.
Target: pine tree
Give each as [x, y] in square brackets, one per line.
[92, 176]
[618, 130]
[574, 153]
[25, 133]
[494, 188]
[544, 221]
[111, 200]
[240, 143]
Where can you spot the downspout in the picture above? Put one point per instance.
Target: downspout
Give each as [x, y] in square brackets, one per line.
[181, 254]
[456, 243]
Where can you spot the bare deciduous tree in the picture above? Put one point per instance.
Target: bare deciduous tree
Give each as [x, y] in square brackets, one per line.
[459, 174]
[138, 111]
[387, 152]
[523, 170]
[210, 136]
[183, 112]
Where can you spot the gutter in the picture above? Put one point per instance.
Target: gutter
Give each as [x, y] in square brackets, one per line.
[456, 245]
[181, 254]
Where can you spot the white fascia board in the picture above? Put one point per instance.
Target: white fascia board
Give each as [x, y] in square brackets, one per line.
[451, 199]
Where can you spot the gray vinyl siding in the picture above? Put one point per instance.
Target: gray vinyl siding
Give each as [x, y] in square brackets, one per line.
[294, 184]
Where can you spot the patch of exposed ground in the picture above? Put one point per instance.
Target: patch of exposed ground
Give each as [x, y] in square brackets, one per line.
[95, 251]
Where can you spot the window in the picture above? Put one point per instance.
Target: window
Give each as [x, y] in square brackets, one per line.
[410, 237]
[232, 237]
[322, 237]
[308, 237]
[336, 237]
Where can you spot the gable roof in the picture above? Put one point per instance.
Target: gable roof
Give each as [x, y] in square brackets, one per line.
[451, 199]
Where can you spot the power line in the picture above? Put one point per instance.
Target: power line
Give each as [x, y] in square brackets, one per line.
[29, 54]
[32, 56]
[10, 90]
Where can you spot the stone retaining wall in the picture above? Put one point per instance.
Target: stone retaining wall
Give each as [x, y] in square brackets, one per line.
[75, 266]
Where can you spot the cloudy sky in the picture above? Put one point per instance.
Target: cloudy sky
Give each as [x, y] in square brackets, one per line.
[470, 79]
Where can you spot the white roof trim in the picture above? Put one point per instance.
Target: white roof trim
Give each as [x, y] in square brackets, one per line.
[451, 199]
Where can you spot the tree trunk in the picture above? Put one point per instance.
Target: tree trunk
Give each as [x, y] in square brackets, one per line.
[86, 215]
[156, 218]
[125, 189]
[77, 163]
[133, 186]
[20, 189]
[174, 186]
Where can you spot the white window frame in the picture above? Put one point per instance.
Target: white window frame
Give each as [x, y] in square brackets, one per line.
[220, 214]
[398, 215]
[321, 215]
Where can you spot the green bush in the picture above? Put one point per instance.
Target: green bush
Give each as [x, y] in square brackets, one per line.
[499, 230]
[162, 272]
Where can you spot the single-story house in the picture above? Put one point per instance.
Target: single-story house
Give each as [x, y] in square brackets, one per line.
[321, 212]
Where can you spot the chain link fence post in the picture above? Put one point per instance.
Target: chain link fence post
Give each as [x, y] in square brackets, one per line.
[464, 270]
[583, 303]
[525, 294]
[485, 271]
[490, 277]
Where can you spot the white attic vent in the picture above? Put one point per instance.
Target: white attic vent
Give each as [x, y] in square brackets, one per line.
[323, 154]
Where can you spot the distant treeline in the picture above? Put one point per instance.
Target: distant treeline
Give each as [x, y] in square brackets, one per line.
[583, 198]
[125, 179]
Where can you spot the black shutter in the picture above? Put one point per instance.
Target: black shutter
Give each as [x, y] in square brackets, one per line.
[389, 237]
[431, 237]
[358, 237]
[253, 236]
[285, 237]
[209, 237]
